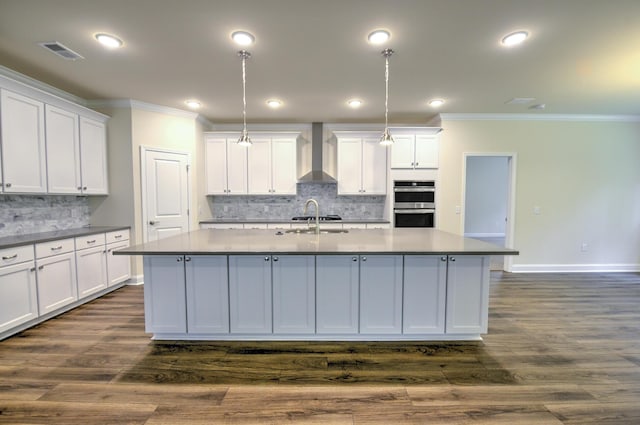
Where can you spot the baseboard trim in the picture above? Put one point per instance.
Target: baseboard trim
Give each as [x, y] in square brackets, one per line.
[484, 235]
[136, 280]
[575, 268]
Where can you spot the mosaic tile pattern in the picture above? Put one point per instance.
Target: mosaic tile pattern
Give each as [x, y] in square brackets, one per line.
[24, 214]
[252, 207]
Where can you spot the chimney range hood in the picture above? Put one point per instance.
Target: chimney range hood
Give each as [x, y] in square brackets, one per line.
[316, 175]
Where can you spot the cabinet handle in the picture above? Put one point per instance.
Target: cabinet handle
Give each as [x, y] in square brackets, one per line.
[179, 259]
[56, 248]
[110, 249]
[32, 269]
[79, 187]
[187, 259]
[354, 259]
[364, 258]
[91, 241]
[117, 236]
[7, 185]
[266, 258]
[10, 257]
[453, 259]
[275, 258]
[40, 267]
[153, 222]
[443, 258]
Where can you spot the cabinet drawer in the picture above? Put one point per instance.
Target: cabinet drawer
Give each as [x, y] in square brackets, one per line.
[90, 241]
[118, 236]
[47, 249]
[15, 255]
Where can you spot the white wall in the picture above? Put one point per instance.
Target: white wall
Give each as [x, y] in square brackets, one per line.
[584, 177]
[486, 186]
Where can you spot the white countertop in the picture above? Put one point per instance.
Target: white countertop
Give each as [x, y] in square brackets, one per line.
[356, 241]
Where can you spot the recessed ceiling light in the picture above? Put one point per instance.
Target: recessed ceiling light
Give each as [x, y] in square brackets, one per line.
[354, 103]
[274, 103]
[193, 104]
[514, 38]
[110, 41]
[436, 103]
[243, 38]
[379, 36]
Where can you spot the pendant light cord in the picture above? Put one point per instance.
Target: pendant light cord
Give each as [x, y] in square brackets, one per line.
[386, 93]
[244, 55]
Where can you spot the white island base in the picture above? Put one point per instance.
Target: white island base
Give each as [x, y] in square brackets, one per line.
[373, 297]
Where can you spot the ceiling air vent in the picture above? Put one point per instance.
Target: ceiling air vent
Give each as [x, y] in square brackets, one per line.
[61, 50]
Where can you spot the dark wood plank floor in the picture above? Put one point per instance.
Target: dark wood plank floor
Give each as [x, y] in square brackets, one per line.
[561, 349]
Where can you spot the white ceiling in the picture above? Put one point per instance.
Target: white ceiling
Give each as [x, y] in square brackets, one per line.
[583, 56]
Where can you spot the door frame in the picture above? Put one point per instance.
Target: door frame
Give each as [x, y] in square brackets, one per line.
[509, 236]
[143, 184]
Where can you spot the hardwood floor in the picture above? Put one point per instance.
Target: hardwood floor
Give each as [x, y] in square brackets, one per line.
[561, 349]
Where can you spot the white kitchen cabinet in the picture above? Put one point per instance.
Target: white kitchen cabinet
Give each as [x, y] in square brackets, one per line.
[225, 165]
[207, 294]
[118, 266]
[425, 286]
[91, 263]
[294, 300]
[467, 294]
[93, 157]
[337, 289]
[380, 294]
[164, 299]
[18, 291]
[23, 154]
[63, 151]
[414, 148]
[222, 226]
[56, 275]
[272, 165]
[362, 165]
[250, 306]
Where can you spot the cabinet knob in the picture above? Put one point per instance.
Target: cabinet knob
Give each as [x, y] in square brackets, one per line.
[266, 258]
[417, 163]
[7, 185]
[32, 269]
[275, 258]
[84, 188]
[179, 259]
[453, 259]
[40, 267]
[79, 187]
[443, 258]
[364, 258]
[354, 259]
[187, 259]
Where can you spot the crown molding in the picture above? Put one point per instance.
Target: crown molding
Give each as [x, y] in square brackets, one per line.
[254, 128]
[540, 117]
[143, 106]
[39, 85]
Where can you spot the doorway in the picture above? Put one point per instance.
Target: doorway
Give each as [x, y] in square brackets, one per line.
[489, 185]
[165, 193]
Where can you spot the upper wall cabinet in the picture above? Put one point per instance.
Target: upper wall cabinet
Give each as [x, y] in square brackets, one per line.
[23, 155]
[414, 148]
[362, 164]
[267, 167]
[50, 145]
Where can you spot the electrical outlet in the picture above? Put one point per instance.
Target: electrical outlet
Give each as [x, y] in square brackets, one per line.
[457, 209]
[536, 210]
[584, 247]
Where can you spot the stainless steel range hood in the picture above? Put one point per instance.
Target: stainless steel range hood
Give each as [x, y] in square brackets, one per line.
[316, 175]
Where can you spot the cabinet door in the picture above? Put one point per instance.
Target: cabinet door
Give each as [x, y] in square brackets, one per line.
[92, 270]
[425, 286]
[118, 266]
[93, 157]
[374, 167]
[349, 166]
[56, 282]
[250, 294]
[165, 307]
[402, 151]
[283, 166]
[236, 168]
[216, 165]
[337, 287]
[294, 298]
[207, 294]
[259, 167]
[381, 294]
[24, 168]
[63, 151]
[18, 295]
[426, 152]
[467, 294]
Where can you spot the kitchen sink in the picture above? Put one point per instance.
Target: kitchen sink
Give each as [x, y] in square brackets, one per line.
[312, 231]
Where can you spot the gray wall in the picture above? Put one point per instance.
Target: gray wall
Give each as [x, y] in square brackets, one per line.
[486, 186]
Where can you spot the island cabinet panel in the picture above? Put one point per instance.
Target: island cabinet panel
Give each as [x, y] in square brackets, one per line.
[294, 298]
[250, 294]
[207, 280]
[467, 294]
[164, 294]
[425, 287]
[381, 294]
[337, 289]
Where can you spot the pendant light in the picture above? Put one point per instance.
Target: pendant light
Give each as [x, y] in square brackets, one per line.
[244, 139]
[386, 138]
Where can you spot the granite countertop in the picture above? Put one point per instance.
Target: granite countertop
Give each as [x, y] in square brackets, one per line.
[356, 241]
[17, 240]
[288, 220]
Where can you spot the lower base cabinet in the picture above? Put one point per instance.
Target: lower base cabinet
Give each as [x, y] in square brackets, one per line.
[207, 288]
[118, 266]
[91, 264]
[467, 294]
[165, 308]
[381, 294]
[425, 292]
[294, 294]
[18, 294]
[337, 292]
[56, 282]
[250, 294]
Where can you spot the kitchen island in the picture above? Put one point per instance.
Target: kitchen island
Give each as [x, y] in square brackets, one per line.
[378, 284]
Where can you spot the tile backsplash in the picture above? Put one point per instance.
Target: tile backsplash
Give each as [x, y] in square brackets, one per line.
[23, 214]
[264, 207]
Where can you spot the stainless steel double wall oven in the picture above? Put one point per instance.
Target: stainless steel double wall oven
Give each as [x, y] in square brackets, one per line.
[414, 203]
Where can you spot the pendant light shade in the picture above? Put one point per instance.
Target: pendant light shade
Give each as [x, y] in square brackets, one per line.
[244, 139]
[386, 138]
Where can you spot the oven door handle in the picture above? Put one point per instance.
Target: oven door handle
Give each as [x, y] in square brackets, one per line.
[415, 211]
[414, 189]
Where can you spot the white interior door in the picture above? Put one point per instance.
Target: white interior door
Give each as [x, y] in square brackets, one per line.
[165, 193]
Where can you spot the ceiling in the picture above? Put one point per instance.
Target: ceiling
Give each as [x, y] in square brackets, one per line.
[582, 56]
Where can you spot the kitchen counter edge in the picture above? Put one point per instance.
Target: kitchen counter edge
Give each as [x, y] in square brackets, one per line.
[31, 238]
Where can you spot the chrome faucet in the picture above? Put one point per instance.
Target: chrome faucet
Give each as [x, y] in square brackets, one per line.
[314, 202]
